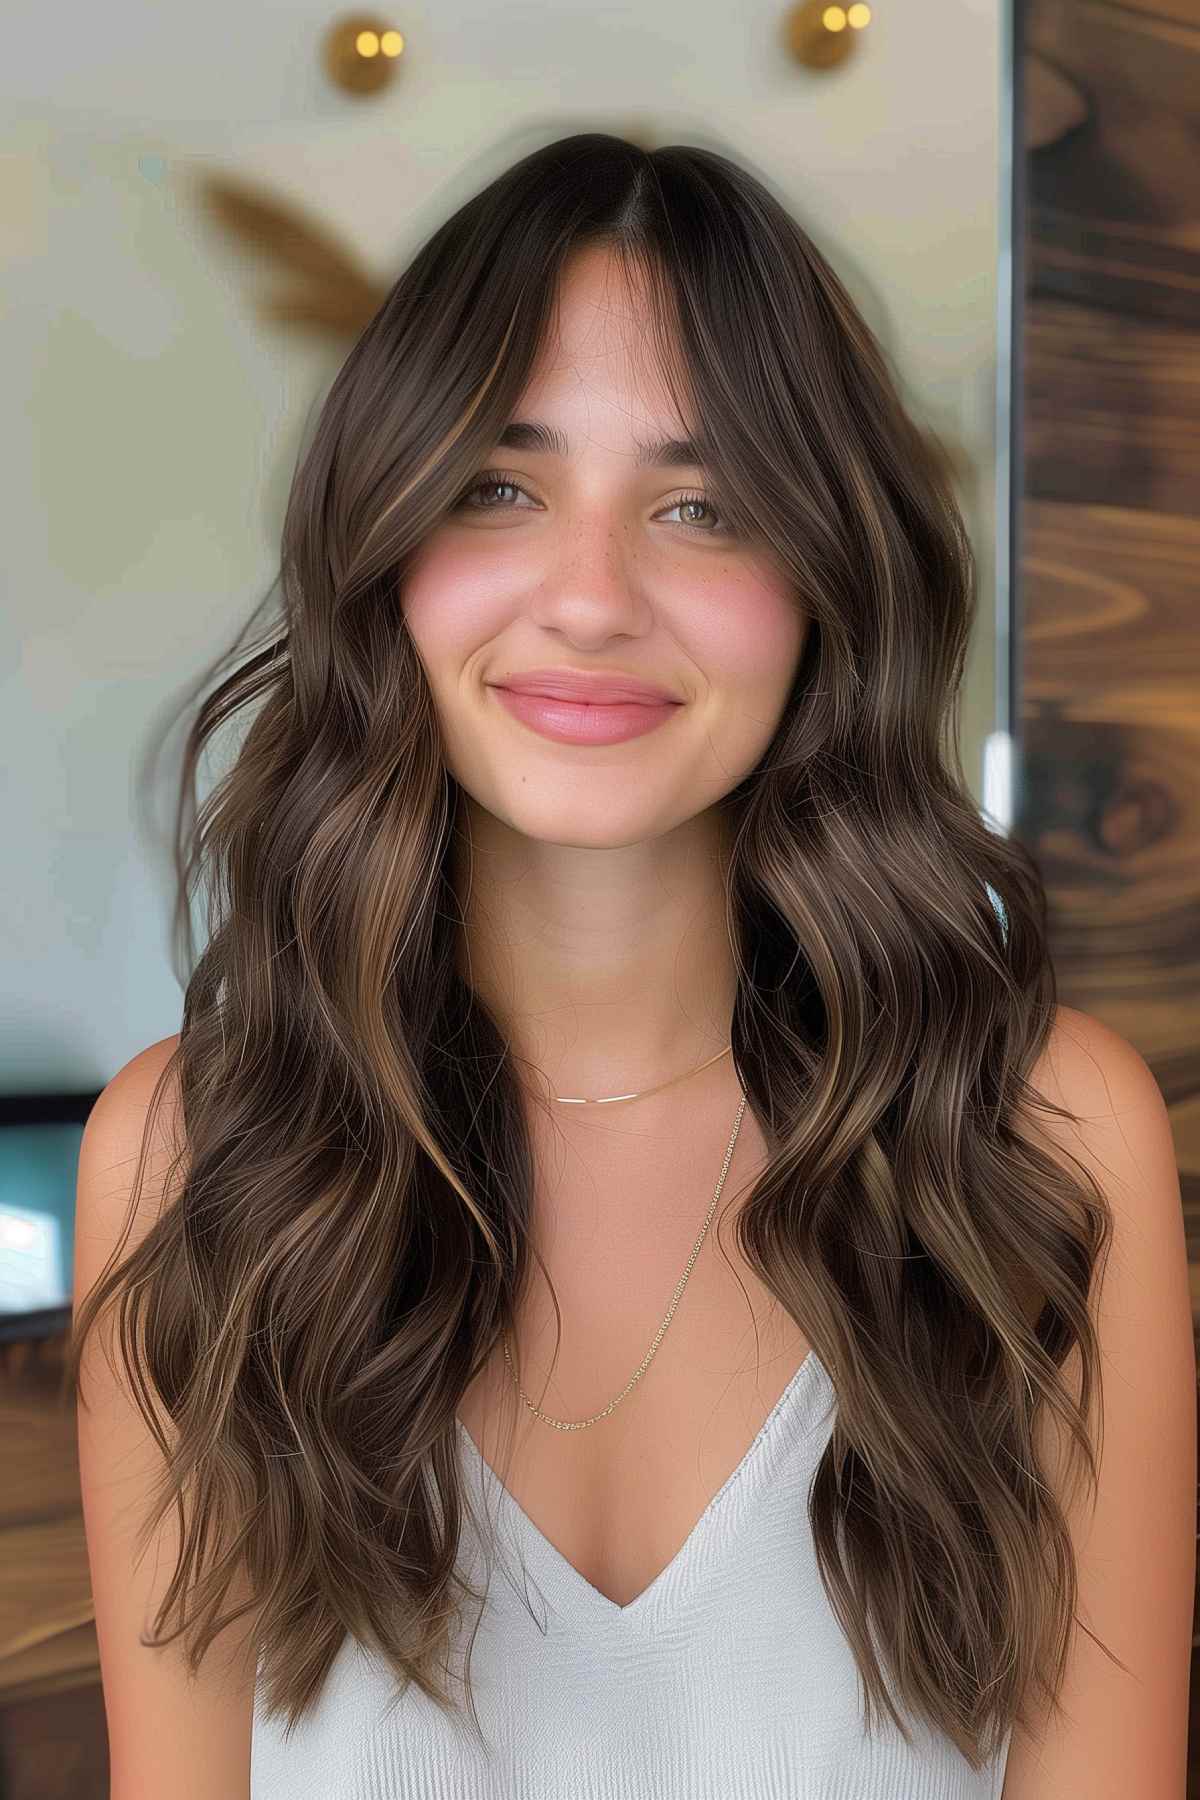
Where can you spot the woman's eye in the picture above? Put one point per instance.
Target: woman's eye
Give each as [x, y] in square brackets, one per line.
[701, 502]
[496, 478]
[493, 479]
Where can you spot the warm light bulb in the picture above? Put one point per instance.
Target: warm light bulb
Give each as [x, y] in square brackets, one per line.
[361, 53]
[823, 36]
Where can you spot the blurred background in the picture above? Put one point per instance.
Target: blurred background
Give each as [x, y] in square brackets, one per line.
[199, 212]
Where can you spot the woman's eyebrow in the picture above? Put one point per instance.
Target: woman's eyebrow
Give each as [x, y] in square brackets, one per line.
[547, 440]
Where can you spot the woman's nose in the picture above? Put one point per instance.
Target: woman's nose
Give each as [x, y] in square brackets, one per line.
[594, 584]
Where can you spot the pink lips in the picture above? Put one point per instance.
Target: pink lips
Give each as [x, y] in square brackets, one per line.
[577, 710]
[597, 689]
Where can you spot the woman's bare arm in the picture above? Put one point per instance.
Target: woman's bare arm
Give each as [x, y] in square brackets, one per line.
[169, 1735]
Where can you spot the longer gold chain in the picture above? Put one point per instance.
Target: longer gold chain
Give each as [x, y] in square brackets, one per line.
[581, 1424]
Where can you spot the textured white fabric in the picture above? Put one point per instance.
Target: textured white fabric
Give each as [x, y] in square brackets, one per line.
[728, 1678]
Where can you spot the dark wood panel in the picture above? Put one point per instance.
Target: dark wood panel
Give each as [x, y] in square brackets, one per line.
[1112, 201]
[1112, 408]
[1111, 745]
[1109, 534]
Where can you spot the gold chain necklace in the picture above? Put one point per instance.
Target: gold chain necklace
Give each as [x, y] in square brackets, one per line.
[569, 1100]
[582, 1424]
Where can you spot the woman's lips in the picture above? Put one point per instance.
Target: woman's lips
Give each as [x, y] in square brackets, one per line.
[586, 722]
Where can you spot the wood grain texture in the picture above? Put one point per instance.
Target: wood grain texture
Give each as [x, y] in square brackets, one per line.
[1108, 664]
[53, 1740]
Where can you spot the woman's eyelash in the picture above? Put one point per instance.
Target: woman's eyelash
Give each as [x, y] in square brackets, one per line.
[499, 478]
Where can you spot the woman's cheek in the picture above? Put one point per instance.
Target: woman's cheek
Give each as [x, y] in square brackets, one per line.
[748, 630]
[453, 601]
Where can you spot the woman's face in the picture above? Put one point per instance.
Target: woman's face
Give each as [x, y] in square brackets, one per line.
[596, 562]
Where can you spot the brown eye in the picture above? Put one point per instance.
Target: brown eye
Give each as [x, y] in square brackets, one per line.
[491, 478]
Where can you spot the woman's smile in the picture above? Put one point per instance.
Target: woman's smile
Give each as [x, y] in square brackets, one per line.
[586, 722]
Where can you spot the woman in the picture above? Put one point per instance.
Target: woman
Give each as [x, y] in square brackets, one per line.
[602, 1269]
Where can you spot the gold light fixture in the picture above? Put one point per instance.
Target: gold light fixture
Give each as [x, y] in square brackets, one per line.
[821, 36]
[362, 53]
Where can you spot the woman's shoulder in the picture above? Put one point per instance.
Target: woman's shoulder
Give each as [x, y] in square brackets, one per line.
[139, 1107]
[126, 1099]
[134, 1082]
[1085, 1063]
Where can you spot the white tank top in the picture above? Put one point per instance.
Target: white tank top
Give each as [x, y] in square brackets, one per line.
[728, 1678]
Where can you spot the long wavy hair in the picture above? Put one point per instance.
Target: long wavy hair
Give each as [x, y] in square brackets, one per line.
[348, 1230]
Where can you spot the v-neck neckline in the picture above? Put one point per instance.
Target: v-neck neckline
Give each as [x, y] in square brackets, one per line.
[572, 1594]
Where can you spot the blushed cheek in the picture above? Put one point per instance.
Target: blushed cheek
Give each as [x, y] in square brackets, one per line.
[753, 634]
[452, 605]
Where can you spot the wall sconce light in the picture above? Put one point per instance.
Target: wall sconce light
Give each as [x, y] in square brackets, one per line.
[362, 53]
[821, 36]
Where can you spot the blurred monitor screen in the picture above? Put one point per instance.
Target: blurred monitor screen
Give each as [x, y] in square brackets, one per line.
[39, 1156]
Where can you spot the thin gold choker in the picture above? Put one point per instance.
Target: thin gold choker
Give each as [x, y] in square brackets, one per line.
[570, 1099]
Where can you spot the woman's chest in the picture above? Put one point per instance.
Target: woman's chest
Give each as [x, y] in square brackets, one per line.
[620, 1498]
